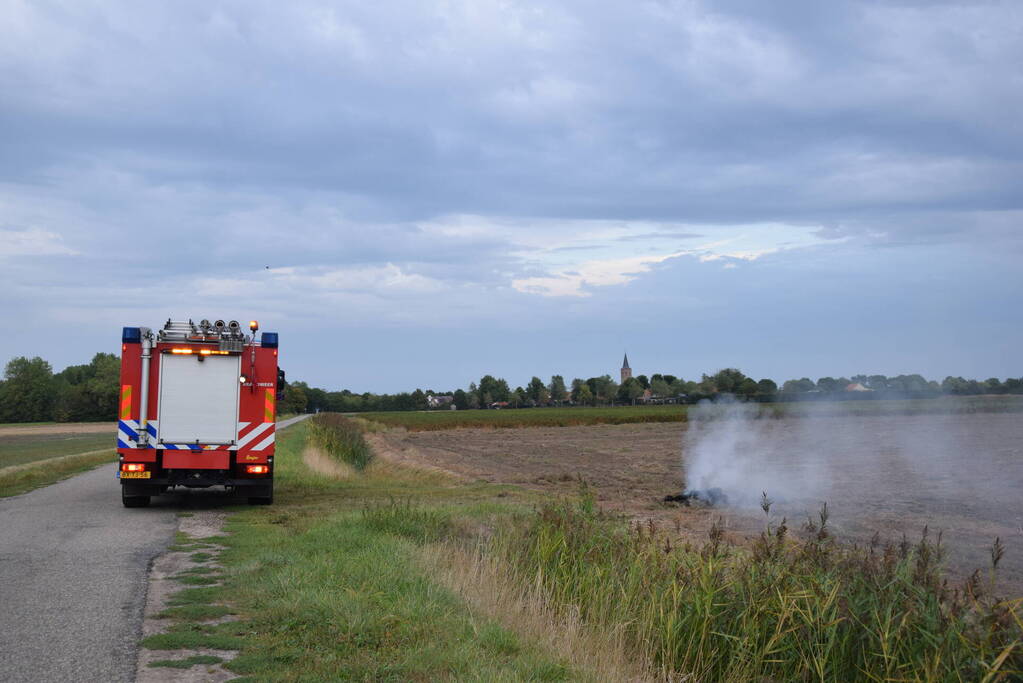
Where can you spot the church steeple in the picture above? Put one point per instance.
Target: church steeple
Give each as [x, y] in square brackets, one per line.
[626, 370]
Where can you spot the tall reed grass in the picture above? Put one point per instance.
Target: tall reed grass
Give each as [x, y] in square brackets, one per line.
[341, 438]
[415, 522]
[785, 610]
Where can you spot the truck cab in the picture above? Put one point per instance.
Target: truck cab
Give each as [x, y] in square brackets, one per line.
[197, 409]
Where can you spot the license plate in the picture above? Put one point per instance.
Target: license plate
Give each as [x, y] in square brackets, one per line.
[136, 475]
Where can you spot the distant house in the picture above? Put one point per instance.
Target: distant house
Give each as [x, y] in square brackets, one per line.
[856, 386]
[649, 398]
[438, 401]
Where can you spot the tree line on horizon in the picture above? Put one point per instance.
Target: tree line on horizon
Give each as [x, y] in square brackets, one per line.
[491, 391]
[31, 392]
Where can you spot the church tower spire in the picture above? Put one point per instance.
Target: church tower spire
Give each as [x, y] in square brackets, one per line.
[626, 370]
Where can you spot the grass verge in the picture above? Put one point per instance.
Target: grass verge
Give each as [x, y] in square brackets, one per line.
[329, 584]
[45, 472]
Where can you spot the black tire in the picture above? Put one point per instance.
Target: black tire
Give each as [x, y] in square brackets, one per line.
[135, 501]
[265, 497]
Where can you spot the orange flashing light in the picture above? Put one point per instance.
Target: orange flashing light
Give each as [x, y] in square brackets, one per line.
[253, 325]
[202, 352]
[257, 469]
[133, 467]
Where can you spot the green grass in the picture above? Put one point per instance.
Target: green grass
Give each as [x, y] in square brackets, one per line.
[528, 417]
[194, 597]
[187, 662]
[408, 521]
[198, 612]
[43, 459]
[328, 584]
[369, 612]
[25, 448]
[44, 473]
[193, 580]
[581, 416]
[195, 636]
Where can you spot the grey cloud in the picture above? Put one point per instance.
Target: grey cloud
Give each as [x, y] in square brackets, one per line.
[672, 127]
[196, 138]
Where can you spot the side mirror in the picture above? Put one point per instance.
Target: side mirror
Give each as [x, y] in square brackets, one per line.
[282, 383]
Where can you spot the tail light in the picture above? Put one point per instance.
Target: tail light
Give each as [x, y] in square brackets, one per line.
[133, 467]
[257, 469]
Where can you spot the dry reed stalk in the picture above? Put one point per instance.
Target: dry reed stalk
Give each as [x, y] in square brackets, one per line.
[321, 463]
[483, 582]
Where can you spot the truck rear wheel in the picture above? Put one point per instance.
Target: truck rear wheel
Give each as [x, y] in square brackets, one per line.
[134, 501]
[264, 495]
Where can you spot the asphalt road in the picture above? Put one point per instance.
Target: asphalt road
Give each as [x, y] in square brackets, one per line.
[73, 571]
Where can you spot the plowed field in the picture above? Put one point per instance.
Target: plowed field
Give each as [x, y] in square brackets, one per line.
[960, 474]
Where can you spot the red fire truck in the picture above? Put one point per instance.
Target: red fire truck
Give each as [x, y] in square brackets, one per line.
[197, 409]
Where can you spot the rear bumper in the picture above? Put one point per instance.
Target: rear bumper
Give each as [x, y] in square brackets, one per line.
[197, 479]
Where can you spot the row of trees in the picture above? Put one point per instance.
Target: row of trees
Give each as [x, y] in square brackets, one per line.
[905, 385]
[603, 390]
[31, 392]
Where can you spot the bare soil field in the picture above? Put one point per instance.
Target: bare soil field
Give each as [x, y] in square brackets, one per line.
[960, 474]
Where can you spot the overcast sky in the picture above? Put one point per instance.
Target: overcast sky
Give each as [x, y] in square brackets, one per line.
[416, 193]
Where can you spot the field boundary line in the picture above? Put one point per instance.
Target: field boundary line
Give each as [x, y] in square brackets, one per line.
[394, 454]
[54, 460]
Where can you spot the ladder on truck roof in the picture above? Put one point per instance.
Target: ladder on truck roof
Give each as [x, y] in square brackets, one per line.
[229, 335]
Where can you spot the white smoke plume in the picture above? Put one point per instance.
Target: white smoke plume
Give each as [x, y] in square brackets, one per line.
[731, 447]
[820, 456]
[958, 472]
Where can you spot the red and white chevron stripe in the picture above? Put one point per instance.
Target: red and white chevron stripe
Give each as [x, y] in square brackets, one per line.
[255, 436]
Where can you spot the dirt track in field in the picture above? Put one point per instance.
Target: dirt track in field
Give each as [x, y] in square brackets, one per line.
[971, 491]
